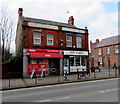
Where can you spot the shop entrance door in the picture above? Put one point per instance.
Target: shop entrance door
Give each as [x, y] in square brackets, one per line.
[54, 66]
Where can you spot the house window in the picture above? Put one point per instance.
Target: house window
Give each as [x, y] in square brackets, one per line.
[116, 49]
[108, 50]
[100, 61]
[99, 52]
[79, 42]
[69, 41]
[37, 38]
[50, 39]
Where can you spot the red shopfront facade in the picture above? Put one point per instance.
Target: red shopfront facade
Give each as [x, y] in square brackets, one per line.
[46, 60]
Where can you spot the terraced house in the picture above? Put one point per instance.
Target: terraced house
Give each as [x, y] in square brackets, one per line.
[106, 52]
[52, 46]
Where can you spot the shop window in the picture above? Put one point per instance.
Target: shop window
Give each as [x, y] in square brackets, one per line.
[37, 38]
[38, 61]
[72, 61]
[79, 42]
[77, 61]
[116, 49]
[50, 39]
[65, 62]
[68, 41]
[83, 61]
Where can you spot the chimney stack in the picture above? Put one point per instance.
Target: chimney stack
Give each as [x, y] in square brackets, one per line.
[20, 12]
[71, 20]
[97, 41]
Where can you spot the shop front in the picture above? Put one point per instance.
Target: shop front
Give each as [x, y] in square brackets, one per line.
[45, 60]
[75, 61]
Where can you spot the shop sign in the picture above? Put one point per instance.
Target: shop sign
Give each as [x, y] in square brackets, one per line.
[73, 30]
[37, 67]
[38, 25]
[82, 53]
[43, 50]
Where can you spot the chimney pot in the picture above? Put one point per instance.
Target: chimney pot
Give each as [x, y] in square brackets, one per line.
[97, 41]
[20, 12]
[71, 20]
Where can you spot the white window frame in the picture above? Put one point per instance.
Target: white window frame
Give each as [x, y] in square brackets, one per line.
[51, 39]
[38, 38]
[100, 60]
[116, 49]
[100, 51]
[108, 50]
[68, 41]
[78, 43]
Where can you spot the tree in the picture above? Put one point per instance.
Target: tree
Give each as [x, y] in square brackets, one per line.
[6, 32]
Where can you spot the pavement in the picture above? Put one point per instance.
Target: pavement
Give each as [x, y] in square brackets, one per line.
[91, 91]
[8, 84]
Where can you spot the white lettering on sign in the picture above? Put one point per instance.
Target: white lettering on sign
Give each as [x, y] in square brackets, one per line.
[73, 30]
[48, 55]
[42, 26]
[32, 50]
[76, 53]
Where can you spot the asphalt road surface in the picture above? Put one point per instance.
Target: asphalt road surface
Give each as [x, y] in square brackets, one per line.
[91, 91]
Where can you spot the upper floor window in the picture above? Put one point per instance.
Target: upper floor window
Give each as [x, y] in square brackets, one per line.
[100, 51]
[108, 50]
[37, 38]
[78, 42]
[69, 41]
[50, 39]
[116, 49]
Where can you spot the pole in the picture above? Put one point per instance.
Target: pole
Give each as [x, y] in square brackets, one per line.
[9, 79]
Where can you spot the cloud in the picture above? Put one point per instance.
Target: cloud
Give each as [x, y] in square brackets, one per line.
[90, 13]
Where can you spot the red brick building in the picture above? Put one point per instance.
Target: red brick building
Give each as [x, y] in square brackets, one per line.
[52, 46]
[106, 52]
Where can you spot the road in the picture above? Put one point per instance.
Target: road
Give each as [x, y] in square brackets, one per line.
[91, 91]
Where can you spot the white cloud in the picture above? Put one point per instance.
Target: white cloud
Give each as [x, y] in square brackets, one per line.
[90, 13]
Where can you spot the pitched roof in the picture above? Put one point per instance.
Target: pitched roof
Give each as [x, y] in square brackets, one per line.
[109, 41]
[42, 21]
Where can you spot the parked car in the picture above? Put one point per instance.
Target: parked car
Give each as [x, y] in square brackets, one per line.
[93, 68]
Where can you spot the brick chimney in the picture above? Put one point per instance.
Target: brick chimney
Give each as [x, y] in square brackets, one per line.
[20, 12]
[71, 20]
[97, 41]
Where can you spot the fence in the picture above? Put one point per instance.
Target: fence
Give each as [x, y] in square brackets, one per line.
[10, 81]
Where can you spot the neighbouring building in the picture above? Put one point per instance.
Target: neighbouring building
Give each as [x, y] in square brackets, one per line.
[105, 52]
[52, 46]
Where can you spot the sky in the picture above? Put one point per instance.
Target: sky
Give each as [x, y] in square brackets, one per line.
[99, 16]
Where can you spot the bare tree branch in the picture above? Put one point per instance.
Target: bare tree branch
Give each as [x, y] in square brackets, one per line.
[6, 32]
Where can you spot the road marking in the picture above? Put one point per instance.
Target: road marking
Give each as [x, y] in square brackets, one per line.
[108, 90]
[57, 85]
[67, 97]
[44, 101]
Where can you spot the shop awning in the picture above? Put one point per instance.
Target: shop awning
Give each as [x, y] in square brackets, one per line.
[46, 55]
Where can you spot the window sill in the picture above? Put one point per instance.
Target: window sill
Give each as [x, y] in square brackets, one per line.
[50, 46]
[37, 45]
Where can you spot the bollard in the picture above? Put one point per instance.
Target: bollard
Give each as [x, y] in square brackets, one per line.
[35, 80]
[9, 79]
[94, 75]
[77, 73]
[115, 72]
[58, 79]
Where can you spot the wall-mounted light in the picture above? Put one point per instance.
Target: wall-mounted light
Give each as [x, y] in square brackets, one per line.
[61, 40]
[42, 35]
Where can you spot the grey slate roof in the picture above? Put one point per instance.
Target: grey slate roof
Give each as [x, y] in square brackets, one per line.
[109, 41]
[42, 21]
